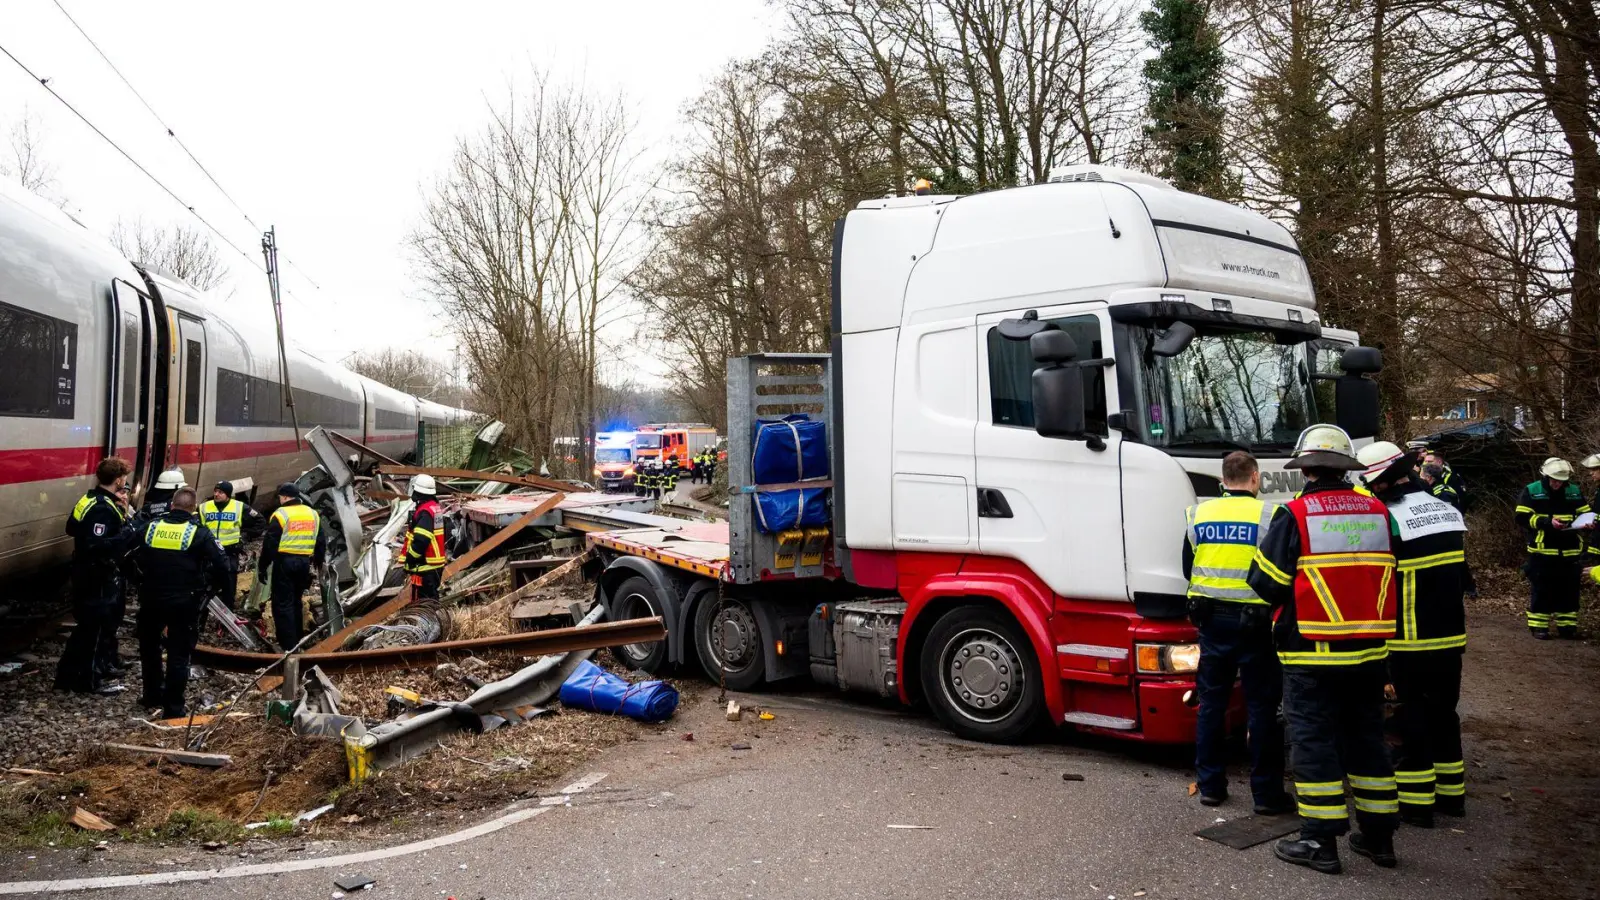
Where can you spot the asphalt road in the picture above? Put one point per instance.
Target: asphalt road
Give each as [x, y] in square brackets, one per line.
[806, 812]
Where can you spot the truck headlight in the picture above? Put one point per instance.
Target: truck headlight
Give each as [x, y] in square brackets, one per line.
[1167, 659]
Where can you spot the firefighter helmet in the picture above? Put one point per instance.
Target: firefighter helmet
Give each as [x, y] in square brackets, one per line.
[1324, 447]
[170, 480]
[424, 485]
[1592, 461]
[1377, 459]
[1556, 469]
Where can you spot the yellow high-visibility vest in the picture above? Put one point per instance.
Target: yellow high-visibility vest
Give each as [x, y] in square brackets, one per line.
[1225, 532]
[299, 524]
[164, 535]
[224, 521]
[87, 501]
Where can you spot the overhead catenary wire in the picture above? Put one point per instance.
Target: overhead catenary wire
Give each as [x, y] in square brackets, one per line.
[172, 133]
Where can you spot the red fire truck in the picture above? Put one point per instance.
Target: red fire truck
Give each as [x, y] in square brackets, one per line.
[1026, 389]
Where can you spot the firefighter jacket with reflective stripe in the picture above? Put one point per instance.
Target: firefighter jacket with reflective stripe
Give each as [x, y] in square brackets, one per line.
[298, 525]
[1446, 493]
[1224, 533]
[425, 538]
[225, 521]
[1278, 577]
[1591, 539]
[1431, 560]
[179, 560]
[1539, 507]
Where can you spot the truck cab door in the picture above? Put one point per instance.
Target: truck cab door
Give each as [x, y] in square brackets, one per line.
[1054, 505]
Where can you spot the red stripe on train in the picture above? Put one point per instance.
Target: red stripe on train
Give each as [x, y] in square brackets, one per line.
[51, 463]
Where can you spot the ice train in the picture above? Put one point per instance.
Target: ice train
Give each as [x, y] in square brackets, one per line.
[100, 356]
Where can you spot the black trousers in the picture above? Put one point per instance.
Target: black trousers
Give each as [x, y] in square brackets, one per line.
[424, 585]
[1335, 716]
[106, 653]
[1427, 683]
[169, 623]
[291, 576]
[1554, 581]
[234, 555]
[93, 609]
[1233, 648]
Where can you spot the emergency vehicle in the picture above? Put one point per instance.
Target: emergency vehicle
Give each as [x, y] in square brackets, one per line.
[673, 440]
[613, 460]
[1026, 389]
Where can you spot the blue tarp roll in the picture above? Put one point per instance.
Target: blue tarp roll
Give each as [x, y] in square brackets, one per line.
[593, 688]
[793, 448]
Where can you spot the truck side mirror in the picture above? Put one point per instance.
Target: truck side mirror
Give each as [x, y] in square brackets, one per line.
[1357, 406]
[1361, 361]
[1057, 385]
[1174, 340]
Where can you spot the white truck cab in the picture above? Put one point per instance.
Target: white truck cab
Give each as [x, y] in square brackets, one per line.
[952, 459]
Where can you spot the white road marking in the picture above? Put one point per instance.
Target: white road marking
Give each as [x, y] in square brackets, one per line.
[302, 865]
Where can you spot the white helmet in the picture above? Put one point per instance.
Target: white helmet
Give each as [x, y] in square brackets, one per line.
[424, 484]
[1556, 469]
[170, 480]
[1377, 459]
[1325, 447]
[1592, 461]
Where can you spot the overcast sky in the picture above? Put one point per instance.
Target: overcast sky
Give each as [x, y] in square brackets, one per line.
[327, 118]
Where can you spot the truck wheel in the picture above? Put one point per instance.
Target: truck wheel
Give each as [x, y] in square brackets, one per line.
[728, 638]
[980, 676]
[636, 598]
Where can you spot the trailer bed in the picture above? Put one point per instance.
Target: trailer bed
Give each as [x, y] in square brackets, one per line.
[698, 547]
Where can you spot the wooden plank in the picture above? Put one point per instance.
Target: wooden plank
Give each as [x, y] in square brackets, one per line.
[542, 581]
[187, 757]
[363, 448]
[470, 475]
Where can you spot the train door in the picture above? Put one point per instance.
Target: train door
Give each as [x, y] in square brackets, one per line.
[133, 367]
[190, 399]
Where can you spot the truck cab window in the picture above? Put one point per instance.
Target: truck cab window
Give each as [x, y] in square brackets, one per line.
[1011, 368]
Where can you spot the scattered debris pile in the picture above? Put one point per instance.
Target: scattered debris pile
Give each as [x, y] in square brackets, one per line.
[380, 681]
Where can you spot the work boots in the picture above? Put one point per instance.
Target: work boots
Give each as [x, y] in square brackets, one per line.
[1416, 816]
[1455, 807]
[1318, 853]
[1377, 847]
[1570, 632]
[1540, 634]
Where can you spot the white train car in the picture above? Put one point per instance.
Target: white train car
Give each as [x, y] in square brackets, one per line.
[105, 358]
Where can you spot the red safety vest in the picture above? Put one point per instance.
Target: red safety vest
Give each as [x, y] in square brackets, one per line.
[1344, 587]
[434, 556]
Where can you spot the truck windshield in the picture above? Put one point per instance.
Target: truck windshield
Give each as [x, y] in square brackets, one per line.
[647, 441]
[1226, 391]
[611, 455]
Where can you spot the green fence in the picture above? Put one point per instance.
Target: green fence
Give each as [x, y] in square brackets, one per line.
[444, 446]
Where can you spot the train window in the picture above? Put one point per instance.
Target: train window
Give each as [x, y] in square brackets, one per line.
[193, 368]
[131, 351]
[41, 358]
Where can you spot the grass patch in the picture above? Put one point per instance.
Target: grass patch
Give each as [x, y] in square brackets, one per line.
[277, 826]
[198, 825]
[47, 830]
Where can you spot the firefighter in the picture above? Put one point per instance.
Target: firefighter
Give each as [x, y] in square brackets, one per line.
[425, 553]
[230, 520]
[1235, 629]
[1546, 510]
[1327, 567]
[180, 563]
[711, 464]
[1430, 637]
[293, 547]
[1448, 477]
[1591, 468]
[1432, 477]
[669, 482]
[101, 536]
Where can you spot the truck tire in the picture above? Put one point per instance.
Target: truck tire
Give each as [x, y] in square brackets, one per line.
[728, 638]
[635, 598]
[980, 676]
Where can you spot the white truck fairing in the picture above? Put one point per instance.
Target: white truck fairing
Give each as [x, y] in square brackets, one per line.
[925, 281]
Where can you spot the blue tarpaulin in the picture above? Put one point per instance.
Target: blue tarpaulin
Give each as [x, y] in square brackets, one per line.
[793, 448]
[595, 689]
[796, 508]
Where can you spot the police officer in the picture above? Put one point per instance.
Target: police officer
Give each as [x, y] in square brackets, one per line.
[231, 521]
[1235, 637]
[1327, 566]
[1546, 510]
[156, 501]
[294, 545]
[180, 562]
[1430, 637]
[425, 552]
[101, 537]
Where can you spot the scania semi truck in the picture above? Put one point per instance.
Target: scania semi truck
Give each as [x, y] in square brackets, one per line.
[1025, 391]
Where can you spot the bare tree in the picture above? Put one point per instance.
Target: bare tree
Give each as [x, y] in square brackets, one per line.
[182, 251]
[522, 242]
[410, 371]
[25, 158]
